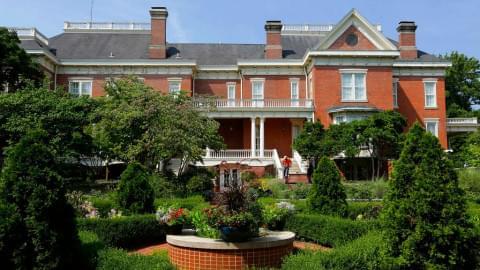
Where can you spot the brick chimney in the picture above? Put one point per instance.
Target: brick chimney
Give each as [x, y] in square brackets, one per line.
[158, 42]
[273, 48]
[406, 39]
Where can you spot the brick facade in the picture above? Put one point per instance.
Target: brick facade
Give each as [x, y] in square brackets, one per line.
[289, 54]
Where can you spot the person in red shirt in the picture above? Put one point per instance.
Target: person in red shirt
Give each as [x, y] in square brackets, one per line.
[286, 163]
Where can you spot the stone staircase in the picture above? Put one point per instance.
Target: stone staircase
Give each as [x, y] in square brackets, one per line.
[296, 174]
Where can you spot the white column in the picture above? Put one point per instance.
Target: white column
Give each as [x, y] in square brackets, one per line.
[252, 136]
[262, 136]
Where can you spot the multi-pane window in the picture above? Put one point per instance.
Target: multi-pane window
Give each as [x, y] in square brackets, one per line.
[430, 88]
[174, 86]
[339, 118]
[80, 87]
[257, 92]
[395, 93]
[231, 94]
[354, 86]
[294, 92]
[432, 126]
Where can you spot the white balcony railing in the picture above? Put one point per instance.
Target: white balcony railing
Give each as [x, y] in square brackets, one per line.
[462, 124]
[462, 121]
[106, 26]
[292, 28]
[253, 103]
[236, 154]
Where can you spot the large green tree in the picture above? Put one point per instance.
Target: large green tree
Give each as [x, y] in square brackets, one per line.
[62, 116]
[137, 123]
[37, 226]
[471, 151]
[382, 134]
[462, 84]
[424, 219]
[309, 143]
[16, 66]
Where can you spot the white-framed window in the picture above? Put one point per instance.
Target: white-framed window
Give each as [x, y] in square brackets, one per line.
[80, 87]
[395, 92]
[354, 84]
[174, 85]
[231, 94]
[257, 92]
[431, 125]
[430, 89]
[294, 91]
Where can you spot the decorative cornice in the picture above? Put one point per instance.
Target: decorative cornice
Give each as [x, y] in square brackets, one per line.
[115, 62]
[423, 72]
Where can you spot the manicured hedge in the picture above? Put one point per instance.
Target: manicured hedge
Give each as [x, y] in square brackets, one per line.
[125, 232]
[328, 230]
[91, 245]
[367, 210]
[363, 253]
[192, 203]
[116, 259]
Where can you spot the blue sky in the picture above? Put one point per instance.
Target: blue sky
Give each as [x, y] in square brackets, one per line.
[443, 25]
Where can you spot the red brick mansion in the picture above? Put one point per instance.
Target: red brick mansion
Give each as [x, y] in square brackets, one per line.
[264, 92]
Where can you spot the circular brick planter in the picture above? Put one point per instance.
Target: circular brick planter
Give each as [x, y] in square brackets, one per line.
[190, 252]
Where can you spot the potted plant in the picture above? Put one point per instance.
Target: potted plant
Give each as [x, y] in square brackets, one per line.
[173, 218]
[276, 215]
[237, 215]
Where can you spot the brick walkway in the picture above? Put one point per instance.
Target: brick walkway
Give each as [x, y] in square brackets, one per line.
[296, 245]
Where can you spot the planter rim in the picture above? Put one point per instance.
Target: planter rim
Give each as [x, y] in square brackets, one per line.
[272, 239]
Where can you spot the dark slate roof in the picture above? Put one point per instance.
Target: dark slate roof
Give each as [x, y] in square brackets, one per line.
[100, 45]
[135, 46]
[30, 44]
[295, 46]
[131, 46]
[216, 54]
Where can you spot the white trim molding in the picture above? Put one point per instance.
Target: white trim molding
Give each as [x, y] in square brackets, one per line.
[367, 29]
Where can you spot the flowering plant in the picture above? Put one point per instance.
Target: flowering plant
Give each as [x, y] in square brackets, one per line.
[114, 213]
[89, 210]
[276, 215]
[171, 216]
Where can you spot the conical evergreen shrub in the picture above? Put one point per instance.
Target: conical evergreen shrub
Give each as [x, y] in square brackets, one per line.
[327, 194]
[37, 225]
[135, 194]
[424, 219]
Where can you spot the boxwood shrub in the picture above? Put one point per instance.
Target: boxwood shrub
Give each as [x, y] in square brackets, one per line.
[192, 203]
[367, 210]
[328, 230]
[116, 259]
[362, 253]
[125, 232]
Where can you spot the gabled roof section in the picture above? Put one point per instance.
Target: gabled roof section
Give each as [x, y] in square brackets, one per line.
[355, 19]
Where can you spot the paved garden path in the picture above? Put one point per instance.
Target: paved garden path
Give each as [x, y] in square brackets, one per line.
[296, 244]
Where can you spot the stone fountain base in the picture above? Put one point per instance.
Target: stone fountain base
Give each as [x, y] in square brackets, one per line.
[188, 252]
